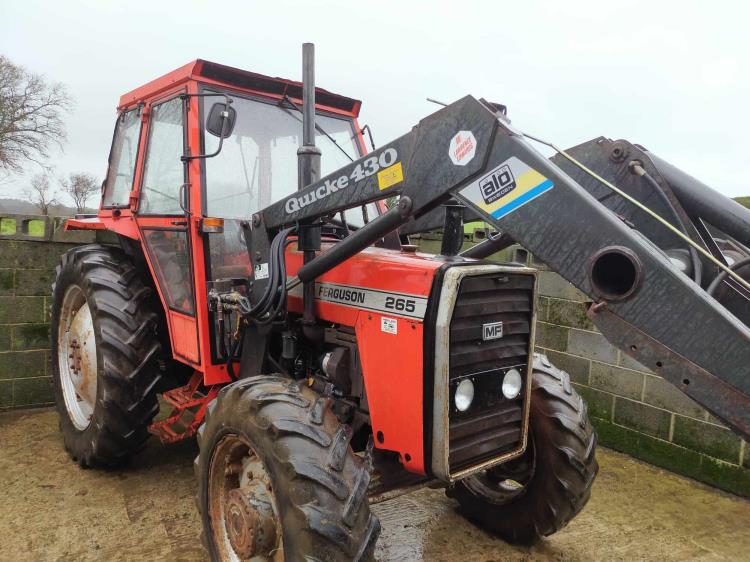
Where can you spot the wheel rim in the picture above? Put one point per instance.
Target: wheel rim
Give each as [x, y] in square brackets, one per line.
[244, 521]
[507, 482]
[76, 357]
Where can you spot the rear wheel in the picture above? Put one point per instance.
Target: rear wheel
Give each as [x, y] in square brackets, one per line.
[277, 479]
[540, 492]
[104, 351]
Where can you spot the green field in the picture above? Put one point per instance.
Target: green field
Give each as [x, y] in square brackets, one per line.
[469, 227]
[8, 227]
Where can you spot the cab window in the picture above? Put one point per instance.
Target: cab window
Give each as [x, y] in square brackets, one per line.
[170, 255]
[257, 164]
[164, 172]
[122, 159]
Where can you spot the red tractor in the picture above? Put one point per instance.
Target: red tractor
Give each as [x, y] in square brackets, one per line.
[322, 363]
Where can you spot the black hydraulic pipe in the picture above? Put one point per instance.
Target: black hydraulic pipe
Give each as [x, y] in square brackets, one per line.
[434, 220]
[453, 229]
[488, 247]
[723, 275]
[357, 241]
[699, 200]
[636, 167]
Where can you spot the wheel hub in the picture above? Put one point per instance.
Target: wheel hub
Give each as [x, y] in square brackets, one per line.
[77, 361]
[245, 524]
[75, 357]
[242, 523]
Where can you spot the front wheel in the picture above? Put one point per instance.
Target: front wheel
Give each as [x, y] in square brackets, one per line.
[538, 493]
[277, 479]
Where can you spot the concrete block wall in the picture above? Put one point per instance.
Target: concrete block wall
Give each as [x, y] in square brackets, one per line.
[634, 410]
[30, 248]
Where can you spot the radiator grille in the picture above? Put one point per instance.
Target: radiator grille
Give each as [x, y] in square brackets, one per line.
[493, 424]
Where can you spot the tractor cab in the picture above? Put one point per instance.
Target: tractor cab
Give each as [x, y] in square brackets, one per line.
[195, 153]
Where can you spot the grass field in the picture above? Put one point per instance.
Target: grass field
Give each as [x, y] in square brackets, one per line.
[8, 226]
[469, 227]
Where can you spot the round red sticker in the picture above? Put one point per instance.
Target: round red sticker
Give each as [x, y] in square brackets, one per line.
[462, 148]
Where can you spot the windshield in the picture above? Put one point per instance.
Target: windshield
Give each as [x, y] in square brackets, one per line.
[257, 164]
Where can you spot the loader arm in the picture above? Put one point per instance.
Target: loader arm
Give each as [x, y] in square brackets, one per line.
[642, 303]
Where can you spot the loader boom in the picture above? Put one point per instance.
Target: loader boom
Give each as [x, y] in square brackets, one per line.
[641, 302]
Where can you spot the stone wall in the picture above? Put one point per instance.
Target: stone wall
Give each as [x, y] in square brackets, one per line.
[633, 410]
[30, 248]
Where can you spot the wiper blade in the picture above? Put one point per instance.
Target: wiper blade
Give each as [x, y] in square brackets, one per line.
[317, 127]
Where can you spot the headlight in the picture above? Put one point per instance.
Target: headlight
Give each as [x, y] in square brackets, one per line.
[464, 395]
[512, 383]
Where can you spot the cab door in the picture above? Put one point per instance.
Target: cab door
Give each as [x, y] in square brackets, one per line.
[163, 219]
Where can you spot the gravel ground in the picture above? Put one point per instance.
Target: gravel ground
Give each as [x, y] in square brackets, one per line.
[53, 510]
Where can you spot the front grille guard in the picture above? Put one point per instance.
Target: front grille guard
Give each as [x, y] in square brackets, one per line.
[441, 390]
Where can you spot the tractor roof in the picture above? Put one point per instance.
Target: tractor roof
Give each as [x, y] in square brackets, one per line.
[205, 71]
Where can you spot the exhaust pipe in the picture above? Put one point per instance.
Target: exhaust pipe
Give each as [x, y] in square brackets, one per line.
[308, 155]
[308, 171]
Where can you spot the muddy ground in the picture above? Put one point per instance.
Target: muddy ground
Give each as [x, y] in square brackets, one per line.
[52, 510]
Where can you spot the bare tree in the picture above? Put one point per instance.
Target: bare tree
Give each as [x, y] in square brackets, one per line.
[40, 193]
[31, 116]
[80, 187]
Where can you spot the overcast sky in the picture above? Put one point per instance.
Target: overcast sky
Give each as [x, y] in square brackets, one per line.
[672, 76]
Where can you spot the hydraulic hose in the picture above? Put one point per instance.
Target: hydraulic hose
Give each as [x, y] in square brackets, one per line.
[273, 299]
[234, 347]
[488, 247]
[637, 168]
[723, 274]
[357, 241]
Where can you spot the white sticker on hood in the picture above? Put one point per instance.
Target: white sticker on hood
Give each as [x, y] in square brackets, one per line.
[462, 148]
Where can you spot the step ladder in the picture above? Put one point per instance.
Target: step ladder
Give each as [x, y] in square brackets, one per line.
[189, 405]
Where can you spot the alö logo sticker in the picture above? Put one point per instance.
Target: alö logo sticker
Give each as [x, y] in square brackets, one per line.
[462, 148]
[500, 182]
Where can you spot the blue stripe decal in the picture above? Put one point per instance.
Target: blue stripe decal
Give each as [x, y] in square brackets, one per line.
[523, 199]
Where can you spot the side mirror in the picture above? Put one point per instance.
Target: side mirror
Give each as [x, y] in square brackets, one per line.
[221, 119]
[219, 122]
